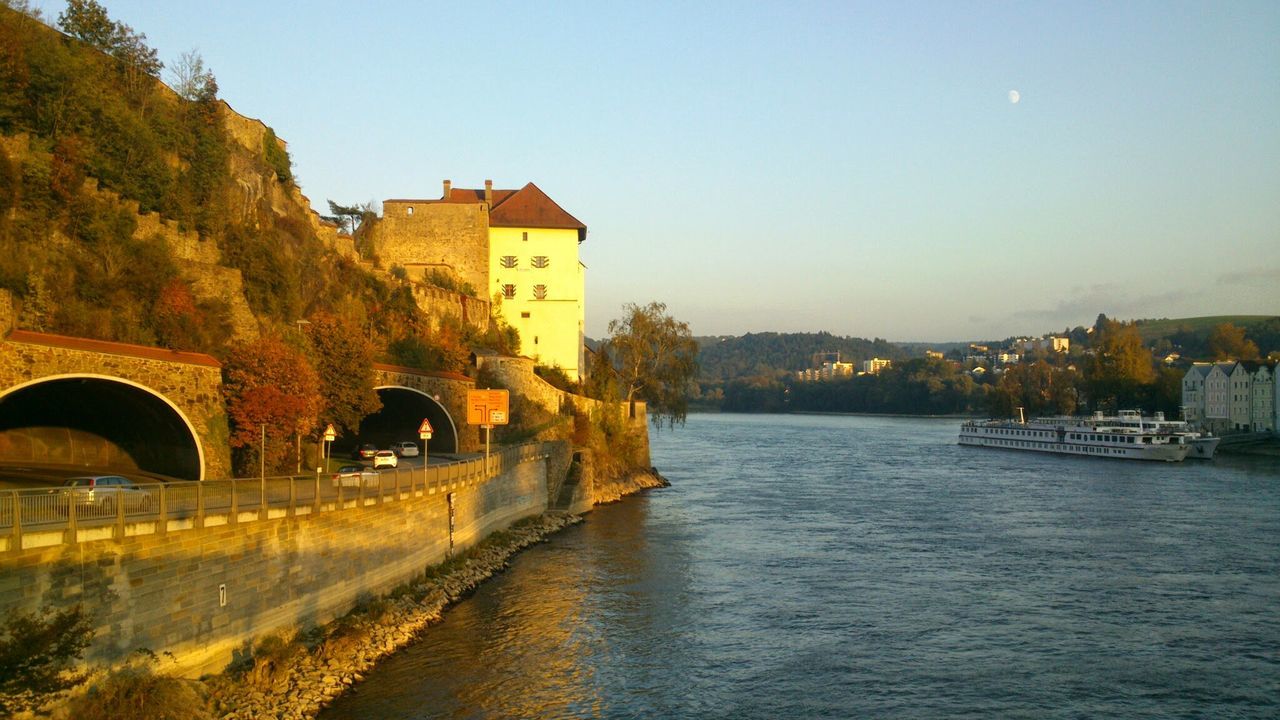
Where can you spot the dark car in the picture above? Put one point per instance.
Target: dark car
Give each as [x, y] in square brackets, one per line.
[104, 493]
[365, 452]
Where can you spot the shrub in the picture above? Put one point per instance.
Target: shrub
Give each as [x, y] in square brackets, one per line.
[138, 693]
[277, 157]
[37, 652]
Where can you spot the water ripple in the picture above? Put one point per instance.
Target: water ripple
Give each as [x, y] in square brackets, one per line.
[869, 567]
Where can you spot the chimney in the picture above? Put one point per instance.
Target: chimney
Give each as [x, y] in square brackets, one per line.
[448, 187]
[488, 192]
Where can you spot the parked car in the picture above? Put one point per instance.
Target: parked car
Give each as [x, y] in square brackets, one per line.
[385, 458]
[353, 475]
[104, 493]
[365, 451]
[405, 449]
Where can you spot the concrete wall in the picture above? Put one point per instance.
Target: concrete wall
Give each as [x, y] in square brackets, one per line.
[158, 588]
[421, 235]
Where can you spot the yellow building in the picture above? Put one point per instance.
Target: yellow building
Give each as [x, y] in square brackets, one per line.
[518, 244]
[534, 266]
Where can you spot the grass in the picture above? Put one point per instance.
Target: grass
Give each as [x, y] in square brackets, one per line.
[1155, 329]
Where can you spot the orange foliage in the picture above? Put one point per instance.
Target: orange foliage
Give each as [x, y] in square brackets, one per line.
[269, 383]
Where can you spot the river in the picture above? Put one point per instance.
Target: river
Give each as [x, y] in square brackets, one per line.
[821, 566]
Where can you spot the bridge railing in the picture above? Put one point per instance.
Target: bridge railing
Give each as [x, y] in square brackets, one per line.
[48, 511]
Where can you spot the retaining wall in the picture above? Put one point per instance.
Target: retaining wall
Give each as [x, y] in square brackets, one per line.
[205, 589]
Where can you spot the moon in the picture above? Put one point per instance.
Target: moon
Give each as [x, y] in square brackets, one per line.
[1014, 96]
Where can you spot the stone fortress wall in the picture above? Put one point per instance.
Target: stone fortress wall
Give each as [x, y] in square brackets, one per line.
[422, 236]
[438, 303]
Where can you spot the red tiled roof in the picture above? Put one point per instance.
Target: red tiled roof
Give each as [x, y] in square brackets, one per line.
[111, 348]
[530, 207]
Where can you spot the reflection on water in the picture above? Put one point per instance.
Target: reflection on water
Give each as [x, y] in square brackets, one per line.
[849, 567]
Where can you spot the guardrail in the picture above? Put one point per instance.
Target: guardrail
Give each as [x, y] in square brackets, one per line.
[67, 510]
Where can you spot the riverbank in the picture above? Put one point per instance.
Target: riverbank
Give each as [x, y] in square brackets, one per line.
[293, 678]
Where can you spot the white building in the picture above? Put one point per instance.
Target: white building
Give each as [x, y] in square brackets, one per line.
[875, 365]
[1241, 397]
[1263, 399]
[1231, 395]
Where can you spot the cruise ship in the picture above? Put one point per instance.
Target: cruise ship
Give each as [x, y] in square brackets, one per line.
[1091, 437]
[1203, 445]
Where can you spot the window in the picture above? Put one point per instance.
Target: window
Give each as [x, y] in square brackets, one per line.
[509, 261]
[541, 261]
[409, 211]
[508, 291]
[524, 236]
[539, 292]
[524, 315]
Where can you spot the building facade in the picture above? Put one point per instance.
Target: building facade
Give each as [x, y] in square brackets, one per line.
[516, 245]
[1231, 396]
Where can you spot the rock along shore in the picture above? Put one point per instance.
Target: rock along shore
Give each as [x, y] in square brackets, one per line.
[297, 679]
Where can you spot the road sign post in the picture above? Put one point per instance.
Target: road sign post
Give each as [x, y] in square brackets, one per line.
[487, 408]
[330, 434]
[424, 432]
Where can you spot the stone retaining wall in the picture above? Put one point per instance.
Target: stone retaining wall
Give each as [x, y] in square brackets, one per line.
[164, 590]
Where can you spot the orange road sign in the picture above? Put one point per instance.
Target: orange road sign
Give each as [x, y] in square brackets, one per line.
[330, 434]
[488, 407]
[425, 427]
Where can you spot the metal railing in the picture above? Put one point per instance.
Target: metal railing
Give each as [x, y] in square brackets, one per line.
[51, 510]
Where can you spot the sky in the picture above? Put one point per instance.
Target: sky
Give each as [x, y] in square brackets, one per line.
[916, 171]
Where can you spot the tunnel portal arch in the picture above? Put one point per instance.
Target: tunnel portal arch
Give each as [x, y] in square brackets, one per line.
[98, 422]
[403, 408]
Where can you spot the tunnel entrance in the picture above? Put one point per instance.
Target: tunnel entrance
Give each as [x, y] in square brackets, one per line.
[402, 411]
[97, 425]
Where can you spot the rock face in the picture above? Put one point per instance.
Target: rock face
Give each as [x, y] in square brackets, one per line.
[630, 483]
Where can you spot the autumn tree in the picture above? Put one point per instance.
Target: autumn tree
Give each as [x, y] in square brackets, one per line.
[1120, 366]
[344, 360]
[655, 359]
[268, 383]
[1036, 387]
[1227, 342]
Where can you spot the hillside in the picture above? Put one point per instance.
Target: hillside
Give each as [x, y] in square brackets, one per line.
[134, 213]
[729, 357]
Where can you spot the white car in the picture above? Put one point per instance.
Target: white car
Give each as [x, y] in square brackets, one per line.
[384, 458]
[405, 449]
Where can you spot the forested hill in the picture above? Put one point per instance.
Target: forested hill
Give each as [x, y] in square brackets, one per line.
[726, 357]
[142, 213]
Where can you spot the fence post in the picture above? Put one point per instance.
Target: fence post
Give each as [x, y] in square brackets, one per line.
[162, 525]
[120, 515]
[316, 499]
[235, 504]
[198, 521]
[16, 529]
[293, 496]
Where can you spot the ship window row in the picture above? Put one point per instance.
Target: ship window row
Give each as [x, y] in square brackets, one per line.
[1087, 449]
